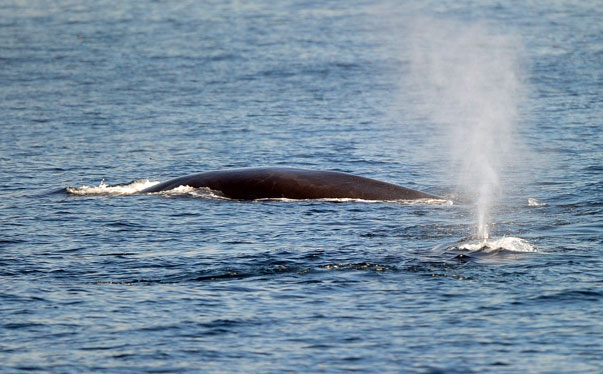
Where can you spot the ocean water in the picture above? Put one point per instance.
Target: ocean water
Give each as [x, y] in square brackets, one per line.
[98, 99]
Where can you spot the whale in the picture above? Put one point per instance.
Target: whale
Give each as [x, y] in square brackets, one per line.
[291, 183]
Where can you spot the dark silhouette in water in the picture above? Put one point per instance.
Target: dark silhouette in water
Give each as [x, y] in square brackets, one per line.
[262, 183]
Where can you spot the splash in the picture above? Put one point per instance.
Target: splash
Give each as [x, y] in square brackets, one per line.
[136, 186]
[511, 244]
[466, 78]
[105, 189]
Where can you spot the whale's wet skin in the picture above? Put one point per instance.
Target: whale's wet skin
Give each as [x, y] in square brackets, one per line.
[217, 272]
[291, 183]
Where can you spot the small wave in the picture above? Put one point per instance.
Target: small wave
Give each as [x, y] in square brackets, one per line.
[105, 189]
[575, 295]
[510, 243]
[237, 272]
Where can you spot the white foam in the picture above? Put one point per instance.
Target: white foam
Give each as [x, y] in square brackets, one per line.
[180, 190]
[105, 189]
[508, 243]
[201, 192]
[355, 200]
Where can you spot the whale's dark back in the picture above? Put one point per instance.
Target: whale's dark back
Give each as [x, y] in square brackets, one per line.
[261, 183]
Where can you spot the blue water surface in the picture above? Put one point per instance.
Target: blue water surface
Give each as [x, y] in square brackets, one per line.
[122, 91]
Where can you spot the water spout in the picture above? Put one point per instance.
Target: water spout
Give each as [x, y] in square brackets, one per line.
[466, 78]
